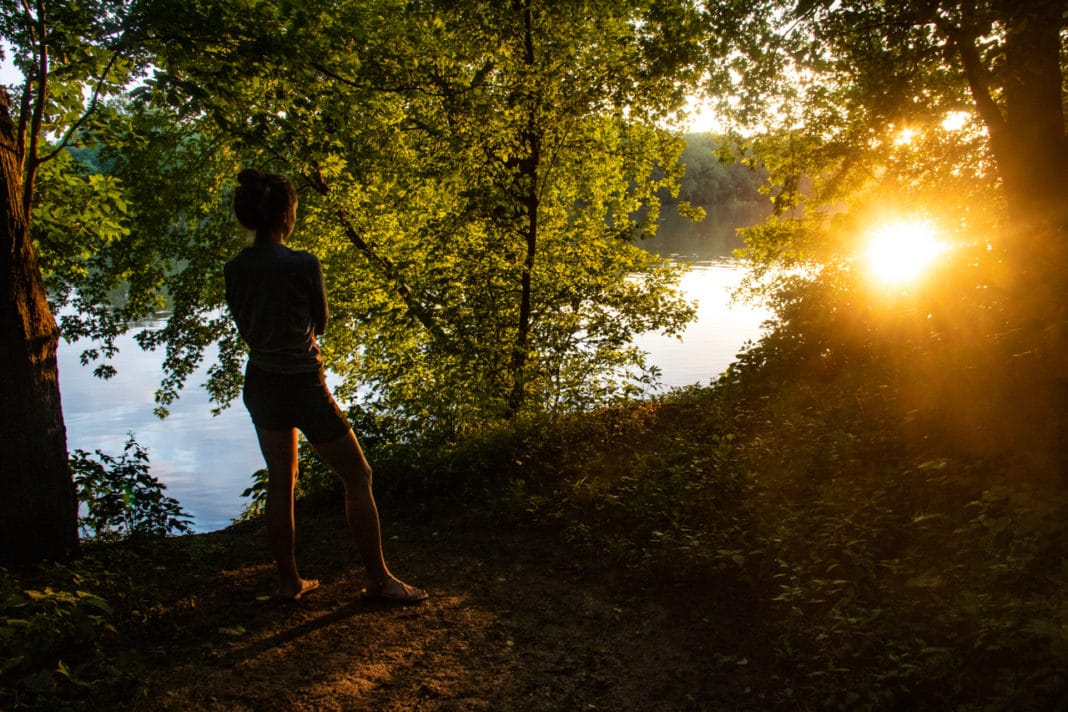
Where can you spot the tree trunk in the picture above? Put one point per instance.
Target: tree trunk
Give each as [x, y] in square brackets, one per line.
[38, 508]
[529, 170]
[1032, 153]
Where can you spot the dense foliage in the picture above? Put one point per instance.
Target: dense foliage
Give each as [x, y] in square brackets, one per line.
[121, 499]
[882, 477]
[473, 182]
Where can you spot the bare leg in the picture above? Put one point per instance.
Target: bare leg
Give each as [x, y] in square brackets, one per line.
[280, 453]
[346, 458]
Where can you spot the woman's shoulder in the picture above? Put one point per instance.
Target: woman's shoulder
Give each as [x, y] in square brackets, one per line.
[306, 258]
[237, 259]
[262, 255]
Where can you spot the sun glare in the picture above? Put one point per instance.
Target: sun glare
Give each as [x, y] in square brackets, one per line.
[905, 137]
[955, 120]
[899, 252]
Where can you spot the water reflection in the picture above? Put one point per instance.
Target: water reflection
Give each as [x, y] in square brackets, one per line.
[722, 326]
[206, 462]
[711, 343]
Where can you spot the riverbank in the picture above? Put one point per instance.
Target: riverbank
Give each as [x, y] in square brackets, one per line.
[640, 558]
[207, 461]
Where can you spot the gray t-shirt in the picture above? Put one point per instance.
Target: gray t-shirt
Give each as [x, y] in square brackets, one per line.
[277, 298]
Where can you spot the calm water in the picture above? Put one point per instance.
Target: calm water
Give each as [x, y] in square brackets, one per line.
[206, 461]
[722, 327]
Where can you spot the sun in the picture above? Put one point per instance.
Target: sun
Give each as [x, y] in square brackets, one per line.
[905, 136]
[899, 252]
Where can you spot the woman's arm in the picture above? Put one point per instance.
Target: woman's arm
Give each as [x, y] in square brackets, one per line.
[320, 311]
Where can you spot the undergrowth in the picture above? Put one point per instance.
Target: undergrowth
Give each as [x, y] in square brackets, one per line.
[63, 626]
[873, 483]
[899, 528]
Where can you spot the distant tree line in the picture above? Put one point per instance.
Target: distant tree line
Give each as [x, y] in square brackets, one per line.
[717, 180]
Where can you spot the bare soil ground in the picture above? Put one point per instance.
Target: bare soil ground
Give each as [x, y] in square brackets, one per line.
[516, 621]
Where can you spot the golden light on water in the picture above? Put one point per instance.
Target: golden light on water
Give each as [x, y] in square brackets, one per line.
[899, 252]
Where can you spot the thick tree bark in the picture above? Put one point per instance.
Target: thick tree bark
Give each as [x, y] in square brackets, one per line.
[1032, 155]
[38, 508]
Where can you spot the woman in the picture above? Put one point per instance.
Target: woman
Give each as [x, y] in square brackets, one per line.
[278, 300]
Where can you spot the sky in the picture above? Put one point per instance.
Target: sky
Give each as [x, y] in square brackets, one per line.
[8, 74]
[702, 118]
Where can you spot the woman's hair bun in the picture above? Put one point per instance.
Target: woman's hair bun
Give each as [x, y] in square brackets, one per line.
[264, 201]
[249, 176]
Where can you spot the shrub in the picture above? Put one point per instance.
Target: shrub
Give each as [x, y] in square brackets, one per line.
[122, 500]
[55, 626]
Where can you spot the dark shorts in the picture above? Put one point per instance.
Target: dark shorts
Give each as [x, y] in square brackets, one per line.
[280, 401]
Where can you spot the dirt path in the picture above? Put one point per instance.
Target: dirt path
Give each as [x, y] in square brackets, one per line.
[514, 623]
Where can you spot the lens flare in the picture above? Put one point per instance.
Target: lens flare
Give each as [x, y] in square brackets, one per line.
[899, 252]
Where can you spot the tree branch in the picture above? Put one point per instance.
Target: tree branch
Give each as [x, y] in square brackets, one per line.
[85, 115]
[25, 102]
[978, 78]
[384, 266]
[29, 171]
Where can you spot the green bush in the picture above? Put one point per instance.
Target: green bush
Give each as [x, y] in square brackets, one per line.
[853, 475]
[914, 535]
[121, 499]
[59, 622]
[56, 626]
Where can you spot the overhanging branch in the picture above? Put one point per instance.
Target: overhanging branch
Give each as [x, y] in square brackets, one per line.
[384, 266]
[977, 76]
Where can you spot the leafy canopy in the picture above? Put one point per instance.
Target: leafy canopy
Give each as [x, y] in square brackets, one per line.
[473, 178]
[946, 114]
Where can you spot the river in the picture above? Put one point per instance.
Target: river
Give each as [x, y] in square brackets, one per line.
[206, 462]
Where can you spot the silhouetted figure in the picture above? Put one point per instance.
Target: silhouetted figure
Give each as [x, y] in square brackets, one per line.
[278, 300]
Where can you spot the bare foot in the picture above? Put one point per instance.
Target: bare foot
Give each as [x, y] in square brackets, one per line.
[394, 591]
[306, 585]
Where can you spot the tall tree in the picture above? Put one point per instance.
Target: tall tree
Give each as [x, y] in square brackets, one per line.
[473, 176]
[853, 73]
[38, 511]
[70, 55]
